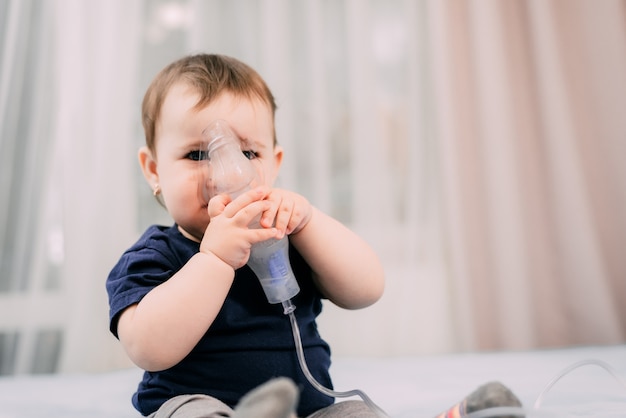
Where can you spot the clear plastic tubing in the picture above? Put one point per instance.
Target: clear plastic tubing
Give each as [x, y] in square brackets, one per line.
[288, 309]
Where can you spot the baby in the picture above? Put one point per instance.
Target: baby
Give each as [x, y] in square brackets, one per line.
[184, 304]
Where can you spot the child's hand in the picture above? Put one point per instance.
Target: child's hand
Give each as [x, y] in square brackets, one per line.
[289, 212]
[227, 236]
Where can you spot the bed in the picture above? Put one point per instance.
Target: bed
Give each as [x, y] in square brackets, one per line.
[421, 386]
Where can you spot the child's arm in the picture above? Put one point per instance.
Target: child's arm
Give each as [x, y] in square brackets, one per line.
[169, 321]
[347, 270]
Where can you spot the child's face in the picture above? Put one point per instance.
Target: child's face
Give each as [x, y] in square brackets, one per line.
[176, 167]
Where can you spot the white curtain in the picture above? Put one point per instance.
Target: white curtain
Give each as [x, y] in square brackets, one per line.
[97, 51]
[476, 145]
[69, 108]
[529, 98]
[22, 166]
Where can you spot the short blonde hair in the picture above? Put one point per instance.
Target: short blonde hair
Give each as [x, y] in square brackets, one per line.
[211, 75]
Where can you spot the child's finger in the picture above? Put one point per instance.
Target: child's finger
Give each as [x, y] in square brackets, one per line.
[263, 234]
[269, 215]
[252, 212]
[217, 204]
[284, 215]
[244, 200]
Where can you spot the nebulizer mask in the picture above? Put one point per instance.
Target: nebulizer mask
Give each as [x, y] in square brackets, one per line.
[232, 173]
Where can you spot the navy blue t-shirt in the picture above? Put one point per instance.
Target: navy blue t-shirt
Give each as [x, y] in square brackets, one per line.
[249, 342]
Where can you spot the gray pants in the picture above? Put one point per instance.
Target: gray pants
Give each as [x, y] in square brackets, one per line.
[202, 406]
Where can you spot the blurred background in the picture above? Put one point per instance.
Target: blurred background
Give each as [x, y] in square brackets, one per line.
[478, 145]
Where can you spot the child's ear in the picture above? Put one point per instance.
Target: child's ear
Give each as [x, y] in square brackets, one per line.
[149, 167]
[278, 156]
[272, 172]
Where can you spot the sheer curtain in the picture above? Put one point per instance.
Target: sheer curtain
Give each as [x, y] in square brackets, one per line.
[25, 94]
[529, 103]
[68, 102]
[97, 51]
[476, 145]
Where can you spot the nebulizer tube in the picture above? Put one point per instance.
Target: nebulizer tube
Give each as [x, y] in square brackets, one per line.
[230, 172]
[289, 310]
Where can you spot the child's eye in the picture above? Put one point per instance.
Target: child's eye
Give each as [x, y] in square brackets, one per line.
[251, 155]
[197, 155]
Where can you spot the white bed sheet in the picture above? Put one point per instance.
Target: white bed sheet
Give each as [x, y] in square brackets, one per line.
[404, 387]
